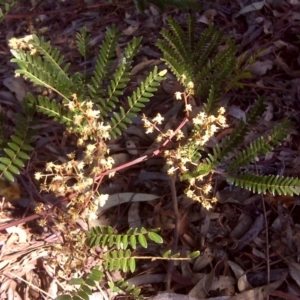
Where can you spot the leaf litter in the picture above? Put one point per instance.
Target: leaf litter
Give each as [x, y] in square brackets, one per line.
[249, 244]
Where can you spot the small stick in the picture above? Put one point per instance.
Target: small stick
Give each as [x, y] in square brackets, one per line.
[176, 238]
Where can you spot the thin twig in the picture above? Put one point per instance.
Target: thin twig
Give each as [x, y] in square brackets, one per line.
[267, 241]
[176, 221]
[9, 274]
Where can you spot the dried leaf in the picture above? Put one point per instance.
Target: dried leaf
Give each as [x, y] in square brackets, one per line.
[20, 232]
[121, 198]
[171, 296]
[269, 113]
[285, 67]
[256, 228]
[203, 260]
[260, 68]
[294, 269]
[259, 293]
[120, 159]
[243, 283]
[258, 253]
[237, 113]
[17, 86]
[131, 147]
[211, 283]
[208, 281]
[134, 219]
[144, 65]
[251, 7]
[244, 224]
[237, 270]
[208, 16]
[131, 29]
[53, 289]
[222, 282]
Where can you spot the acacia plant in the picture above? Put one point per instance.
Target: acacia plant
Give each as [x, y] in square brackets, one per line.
[89, 107]
[207, 73]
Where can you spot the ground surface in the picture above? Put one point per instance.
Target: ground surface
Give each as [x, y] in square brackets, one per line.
[267, 266]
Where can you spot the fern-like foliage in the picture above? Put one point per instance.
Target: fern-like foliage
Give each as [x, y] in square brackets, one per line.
[48, 68]
[121, 258]
[261, 146]
[105, 236]
[118, 257]
[236, 138]
[142, 95]
[104, 62]
[17, 148]
[199, 61]
[121, 78]
[123, 286]
[83, 40]
[51, 109]
[243, 158]
[5, 6]
[85, 286]
[207, 72]
[261, 183]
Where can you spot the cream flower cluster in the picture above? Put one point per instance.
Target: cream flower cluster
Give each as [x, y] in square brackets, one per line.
[77, 175]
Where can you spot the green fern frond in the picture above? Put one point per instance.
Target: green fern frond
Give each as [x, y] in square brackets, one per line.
[5, 6]
[121, 78]
[174, 59]
[239, 132]
[256, 112]
[199, 61]
[51, 109]
[175, 63]
[121, 119]
[177, 50]
[258, 147]
[212, 100]
[280, 132]
[207, 46]
[202, 170]
[261, 146]
[123, 286]
[217, 73]
[237, 78]
[18, 146]
[191, 22]
[261, 183]
[104, 61]
[177, 39]
[45, 68]
[85, 285]
[83, 40]
[105, 236]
